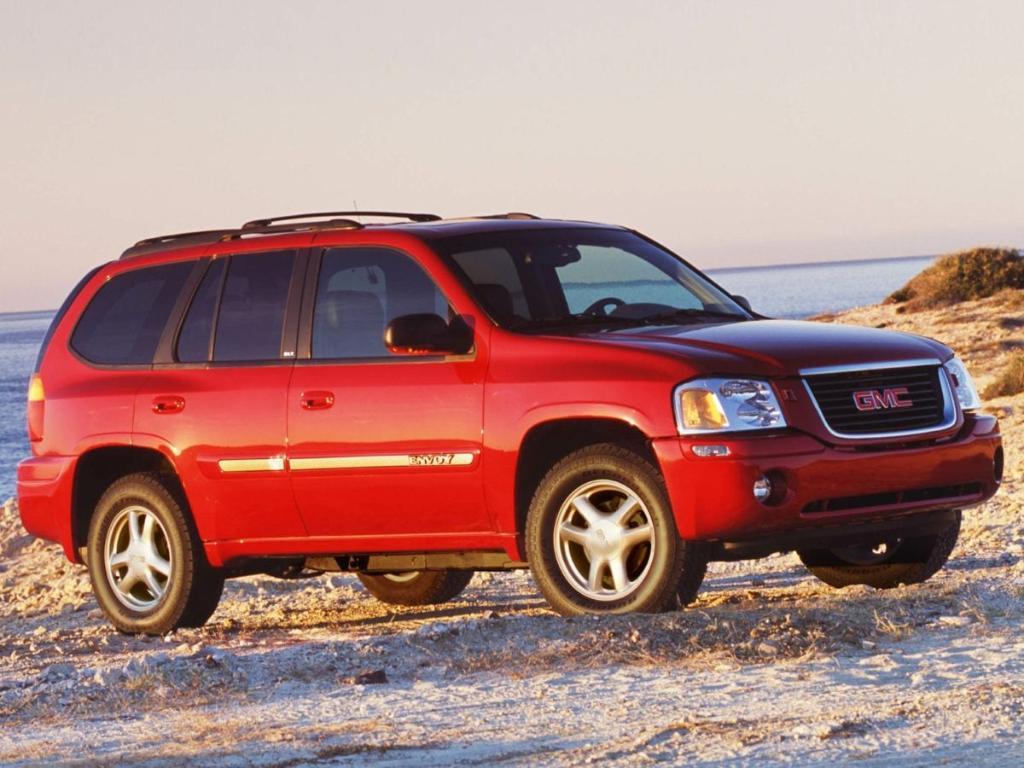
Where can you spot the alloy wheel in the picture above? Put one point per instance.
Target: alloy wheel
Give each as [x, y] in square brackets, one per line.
[138, 559]
[604, 540]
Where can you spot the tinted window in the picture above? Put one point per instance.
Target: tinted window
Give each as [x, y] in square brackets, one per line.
[582, 278]
[359, 292]
[124, 320]
[497, 280]
[251, 316]
[197, 330]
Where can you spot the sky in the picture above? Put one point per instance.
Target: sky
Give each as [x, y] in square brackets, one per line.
[736, 133]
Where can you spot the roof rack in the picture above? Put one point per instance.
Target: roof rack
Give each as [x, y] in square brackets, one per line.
[515, 215]
[179, 239]
[335, 214]
[206, 236]
[283, 224]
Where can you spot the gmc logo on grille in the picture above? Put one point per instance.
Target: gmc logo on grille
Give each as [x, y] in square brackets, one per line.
[882, 399]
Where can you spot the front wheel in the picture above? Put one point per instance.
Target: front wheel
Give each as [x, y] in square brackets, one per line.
[147, 567]
[416, 587]
[886, 564]
[601, 538]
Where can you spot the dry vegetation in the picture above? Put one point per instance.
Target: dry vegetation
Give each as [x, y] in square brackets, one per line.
[973, 274]
[1011, 380]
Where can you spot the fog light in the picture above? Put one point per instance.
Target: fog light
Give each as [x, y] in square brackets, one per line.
[704, 451]
[762, 488]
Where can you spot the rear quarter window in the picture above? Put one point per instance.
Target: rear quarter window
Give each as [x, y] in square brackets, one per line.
[123, 322]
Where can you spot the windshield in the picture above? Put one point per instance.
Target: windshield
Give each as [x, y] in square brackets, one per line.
[583, 276]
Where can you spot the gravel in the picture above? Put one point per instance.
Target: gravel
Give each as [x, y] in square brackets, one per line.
[768, 667]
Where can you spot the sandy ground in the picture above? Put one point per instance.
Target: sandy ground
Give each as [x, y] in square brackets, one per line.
[769, 666]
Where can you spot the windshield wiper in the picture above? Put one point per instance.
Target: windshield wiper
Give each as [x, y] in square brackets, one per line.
[584, 320]
[690, 313]
[580, 321]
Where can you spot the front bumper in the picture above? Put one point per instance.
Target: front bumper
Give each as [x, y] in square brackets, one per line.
[824, 486]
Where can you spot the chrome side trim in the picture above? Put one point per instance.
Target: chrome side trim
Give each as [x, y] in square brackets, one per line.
[387, 460]
[949, 404]
[855, 367]
[271, 464]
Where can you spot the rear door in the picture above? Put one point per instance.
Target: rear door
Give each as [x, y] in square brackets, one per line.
[381, 446]
[218, 392]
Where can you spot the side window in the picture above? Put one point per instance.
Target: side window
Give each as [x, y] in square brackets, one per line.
[197, 331]
[497, 282]
[361, 290]
[123, 322]
[250, 320]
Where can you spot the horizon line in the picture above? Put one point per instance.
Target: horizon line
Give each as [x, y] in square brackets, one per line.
[826, 262]
[782, 265]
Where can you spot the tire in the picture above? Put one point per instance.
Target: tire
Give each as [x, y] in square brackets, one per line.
[416, 587]
[911, 560]
[140, 523]
[601, 537]
[695, 566]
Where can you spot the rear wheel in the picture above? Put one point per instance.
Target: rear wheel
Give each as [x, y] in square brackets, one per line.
[416, 587]
[601, 538]
[885, 564]
[147, 567]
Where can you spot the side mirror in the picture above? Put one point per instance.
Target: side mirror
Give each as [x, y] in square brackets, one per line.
[427, 334]
[743, 302]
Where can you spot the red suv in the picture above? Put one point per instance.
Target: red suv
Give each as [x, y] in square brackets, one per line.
[416, 399]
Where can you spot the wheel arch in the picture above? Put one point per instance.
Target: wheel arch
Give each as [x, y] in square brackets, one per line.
[98, 468]
[547, 442]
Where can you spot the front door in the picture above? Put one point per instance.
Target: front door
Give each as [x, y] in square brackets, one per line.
[381, 445]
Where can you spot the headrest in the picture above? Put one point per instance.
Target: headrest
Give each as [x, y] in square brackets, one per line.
[496, 299]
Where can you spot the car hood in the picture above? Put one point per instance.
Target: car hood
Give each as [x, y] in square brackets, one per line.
[777, 347]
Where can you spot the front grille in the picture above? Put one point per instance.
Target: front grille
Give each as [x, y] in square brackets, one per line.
[893, 498]
[881, 393]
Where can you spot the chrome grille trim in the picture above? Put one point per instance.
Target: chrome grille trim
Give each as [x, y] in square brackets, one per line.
[861, 367]
[950, 412]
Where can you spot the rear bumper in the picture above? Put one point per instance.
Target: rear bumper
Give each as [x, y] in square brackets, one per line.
[45, 485]
[823, 487]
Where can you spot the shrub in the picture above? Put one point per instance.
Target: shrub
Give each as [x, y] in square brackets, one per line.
[1011, 380]
[962, 276]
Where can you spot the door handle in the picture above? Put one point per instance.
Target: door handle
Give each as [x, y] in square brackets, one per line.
[317, 400]
[168, 404]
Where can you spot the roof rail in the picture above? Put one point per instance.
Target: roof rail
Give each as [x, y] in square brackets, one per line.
[336, 214]
[257, 228]
[283, 224]
[179, 239]
[515, 215]
[207, 236]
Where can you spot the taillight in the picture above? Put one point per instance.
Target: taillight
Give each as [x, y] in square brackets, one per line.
[36, 405]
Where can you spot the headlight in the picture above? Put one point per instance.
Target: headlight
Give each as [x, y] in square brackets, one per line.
[726, 405]
[963, 385]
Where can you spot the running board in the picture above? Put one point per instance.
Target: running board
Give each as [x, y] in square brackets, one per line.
[432, 561]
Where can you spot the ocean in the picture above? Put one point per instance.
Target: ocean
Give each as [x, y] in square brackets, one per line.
[786, 291]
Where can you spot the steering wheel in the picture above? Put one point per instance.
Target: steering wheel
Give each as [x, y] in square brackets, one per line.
[598, 307]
